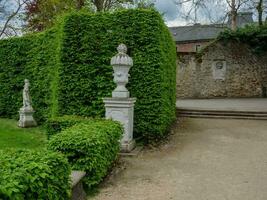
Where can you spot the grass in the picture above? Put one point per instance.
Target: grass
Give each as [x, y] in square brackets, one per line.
[11, 136]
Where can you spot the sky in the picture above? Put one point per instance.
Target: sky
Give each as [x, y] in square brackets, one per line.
[174, 15]
[214, 12]
[170, 11]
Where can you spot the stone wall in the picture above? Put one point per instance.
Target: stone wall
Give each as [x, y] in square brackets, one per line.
[224, 70]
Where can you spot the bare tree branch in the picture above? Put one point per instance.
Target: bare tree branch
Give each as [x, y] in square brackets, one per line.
[7, 24]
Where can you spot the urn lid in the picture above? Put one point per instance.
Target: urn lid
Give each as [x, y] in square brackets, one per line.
[122, 58]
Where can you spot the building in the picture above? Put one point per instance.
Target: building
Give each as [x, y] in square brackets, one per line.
[224, 70]
[189, 39]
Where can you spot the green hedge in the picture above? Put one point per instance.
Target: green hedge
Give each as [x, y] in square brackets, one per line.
[57, 124]
[33, 57]
[89, 42]
[92, 147]
[69, 68]
[34, 175]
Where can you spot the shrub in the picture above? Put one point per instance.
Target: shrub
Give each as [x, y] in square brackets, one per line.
[254, 36]
[34, 175]
[69, 68]
[33, 57]
[92, 147]
[89, 42]
[57, 124]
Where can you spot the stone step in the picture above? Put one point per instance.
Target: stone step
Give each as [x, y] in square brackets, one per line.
[222, 114]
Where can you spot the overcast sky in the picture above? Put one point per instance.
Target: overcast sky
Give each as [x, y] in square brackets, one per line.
[174, 15]
[169, 8]
[215, 12]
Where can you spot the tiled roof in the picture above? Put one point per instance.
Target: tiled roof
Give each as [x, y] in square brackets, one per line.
[196, 32]
[207, 32]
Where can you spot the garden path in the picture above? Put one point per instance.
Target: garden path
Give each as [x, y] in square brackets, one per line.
[205, 159]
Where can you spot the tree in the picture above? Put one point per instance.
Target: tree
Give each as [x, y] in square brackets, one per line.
[193, 7]
[260, 7]
[232, 11]
[41, 14]
[144, 3]
[106, 5]
[234, 6]
[260, 12]
[9, 17]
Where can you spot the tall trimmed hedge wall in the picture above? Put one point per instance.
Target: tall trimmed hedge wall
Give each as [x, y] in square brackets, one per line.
[79, 56]
[32, 57]
[89, 42]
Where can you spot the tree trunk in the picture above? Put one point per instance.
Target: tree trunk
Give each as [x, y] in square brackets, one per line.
[80, 4]
[233, 15]
[99, 4]
[260, 11]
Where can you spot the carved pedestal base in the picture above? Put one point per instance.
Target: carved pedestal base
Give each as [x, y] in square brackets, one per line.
[122, 110]
[128, 147]
[26, 119]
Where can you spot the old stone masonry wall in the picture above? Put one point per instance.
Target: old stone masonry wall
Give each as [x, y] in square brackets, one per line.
[224, 70]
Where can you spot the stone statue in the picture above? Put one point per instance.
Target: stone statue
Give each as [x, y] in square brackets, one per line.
[26, 95]
[26, 119]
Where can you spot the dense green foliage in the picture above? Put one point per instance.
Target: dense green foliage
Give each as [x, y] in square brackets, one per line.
[254, 36]
[11, 136]
[57, 124]
[92, 147]
[33, 175]
[32, 57]
[89, 42]
[69, 68]
[42, 14]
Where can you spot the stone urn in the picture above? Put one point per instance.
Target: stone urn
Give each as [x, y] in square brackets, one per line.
[121, 64]
[121, 107]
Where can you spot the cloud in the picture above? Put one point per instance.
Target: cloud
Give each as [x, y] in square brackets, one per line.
[168, 8]
[211, 12]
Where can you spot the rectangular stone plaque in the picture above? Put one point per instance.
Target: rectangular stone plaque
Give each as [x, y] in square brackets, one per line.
[219, 70]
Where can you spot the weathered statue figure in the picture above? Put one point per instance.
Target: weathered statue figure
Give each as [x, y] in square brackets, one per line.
[26, 95]
[26, 119]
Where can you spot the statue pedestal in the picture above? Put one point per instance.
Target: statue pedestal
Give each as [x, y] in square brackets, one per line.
[122, 110]
[26, 119]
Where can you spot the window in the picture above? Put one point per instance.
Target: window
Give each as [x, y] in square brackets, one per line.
[198, 47]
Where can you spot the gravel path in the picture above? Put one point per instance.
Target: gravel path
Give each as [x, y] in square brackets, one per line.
[205, 159]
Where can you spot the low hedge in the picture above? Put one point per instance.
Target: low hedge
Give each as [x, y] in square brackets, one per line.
[57, 124]
[92, 147]
[34, 175]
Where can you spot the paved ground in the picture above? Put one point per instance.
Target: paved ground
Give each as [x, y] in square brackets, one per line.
[205, 159]
[246, 104]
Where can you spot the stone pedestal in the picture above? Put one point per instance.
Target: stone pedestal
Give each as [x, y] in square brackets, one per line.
[77, 192]
[122, 110]
[26, 119]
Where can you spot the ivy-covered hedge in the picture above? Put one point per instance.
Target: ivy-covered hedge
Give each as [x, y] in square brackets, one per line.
[57, 124]
[34, 175]
[92, 147]
[253, 35]
[89, 42]
[69, 68]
